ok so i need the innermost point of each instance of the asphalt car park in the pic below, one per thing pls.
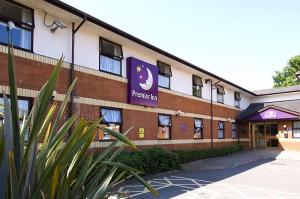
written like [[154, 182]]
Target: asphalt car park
[[250, 174]]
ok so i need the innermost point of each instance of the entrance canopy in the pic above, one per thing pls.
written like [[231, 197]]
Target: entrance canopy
[[262, 112], [272, 114]]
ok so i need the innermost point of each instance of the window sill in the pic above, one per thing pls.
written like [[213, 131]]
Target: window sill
[[19, 48], [165, 87], [197, 96], [104, 71], [110, 140]]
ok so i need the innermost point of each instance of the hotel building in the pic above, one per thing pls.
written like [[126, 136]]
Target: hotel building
[[170, 102]]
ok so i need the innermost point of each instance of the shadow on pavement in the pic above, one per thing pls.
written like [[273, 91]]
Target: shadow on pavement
[[199, 174]]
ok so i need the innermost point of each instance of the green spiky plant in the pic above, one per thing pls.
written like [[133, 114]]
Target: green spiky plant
[[47, 165]]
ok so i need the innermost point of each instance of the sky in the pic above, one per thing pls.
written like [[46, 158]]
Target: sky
[[244, 42]]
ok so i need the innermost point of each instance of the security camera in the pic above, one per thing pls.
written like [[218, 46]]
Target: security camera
[[59, 24]]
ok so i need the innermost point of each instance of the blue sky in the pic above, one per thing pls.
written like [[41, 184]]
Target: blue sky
[[241, 41]]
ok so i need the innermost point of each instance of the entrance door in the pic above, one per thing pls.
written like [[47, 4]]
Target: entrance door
[[261, 136], [264, 135], [258, 136], [271, 132]]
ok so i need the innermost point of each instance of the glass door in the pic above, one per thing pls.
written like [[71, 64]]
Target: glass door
[[261, 141], [271, 132]]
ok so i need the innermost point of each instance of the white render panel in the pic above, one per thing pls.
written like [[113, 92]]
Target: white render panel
[[277, 97], [229, 97], [87, 54], [245, 102], [181, 81], [86, 48], [49, 44]]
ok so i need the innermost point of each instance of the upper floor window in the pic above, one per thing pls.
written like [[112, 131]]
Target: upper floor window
[[22, 17], [111, 119], [237, 99], [221, 130], [164, 74], [111, 56], [296, 129], [198, 126], [220, 94], [234, 131], [164, 126], [197, 86]]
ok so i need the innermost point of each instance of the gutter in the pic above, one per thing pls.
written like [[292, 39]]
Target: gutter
[[117, 31]]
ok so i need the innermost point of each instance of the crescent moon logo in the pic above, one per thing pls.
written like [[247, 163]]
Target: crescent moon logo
[[149, 82]]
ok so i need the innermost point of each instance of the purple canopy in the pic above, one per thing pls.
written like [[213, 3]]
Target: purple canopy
[[273, 114]]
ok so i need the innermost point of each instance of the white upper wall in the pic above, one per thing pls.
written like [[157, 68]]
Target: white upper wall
[[277, 97], [87, 51]]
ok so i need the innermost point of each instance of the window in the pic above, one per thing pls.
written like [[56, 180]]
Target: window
[[24, 105], [221, 130], [296, 129], [237, 99], [111, 56], [198, 126], [197, 86], [234, 131], [164, 126], [111, 119], [220, 94], [164, 74], [22, 17]]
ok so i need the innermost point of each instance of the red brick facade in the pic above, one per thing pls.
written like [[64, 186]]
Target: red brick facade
[[32, 75]]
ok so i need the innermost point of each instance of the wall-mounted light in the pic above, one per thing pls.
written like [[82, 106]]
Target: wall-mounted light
[[207, 81], [53, 95], [284, 126], [55, 24], [178, 113]]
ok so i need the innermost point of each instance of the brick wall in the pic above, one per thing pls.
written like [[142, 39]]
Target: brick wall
[[32, 75]]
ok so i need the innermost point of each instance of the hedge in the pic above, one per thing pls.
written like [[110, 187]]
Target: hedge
[[155, 159], [151, 160], [193, 155]]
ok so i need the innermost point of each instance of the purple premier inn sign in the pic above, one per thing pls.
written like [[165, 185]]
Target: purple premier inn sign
[[271, 114], [142, 82]]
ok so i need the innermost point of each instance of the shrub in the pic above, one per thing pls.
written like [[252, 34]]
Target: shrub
[[151, 160], [192, 155]]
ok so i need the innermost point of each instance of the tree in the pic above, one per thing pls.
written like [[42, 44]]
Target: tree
[[286, 77]]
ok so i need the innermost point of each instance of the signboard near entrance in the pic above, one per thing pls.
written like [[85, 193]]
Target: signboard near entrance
[[271, 114], [142, 82]]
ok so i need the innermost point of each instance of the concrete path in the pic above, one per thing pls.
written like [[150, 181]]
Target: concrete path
[[241, 158], [249, 174]]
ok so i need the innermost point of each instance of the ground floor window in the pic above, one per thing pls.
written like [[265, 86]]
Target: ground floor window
[[198, 128], [164, 126], [296, 129], [221, 130], [111, 119], [24, 106], [234, 131]]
